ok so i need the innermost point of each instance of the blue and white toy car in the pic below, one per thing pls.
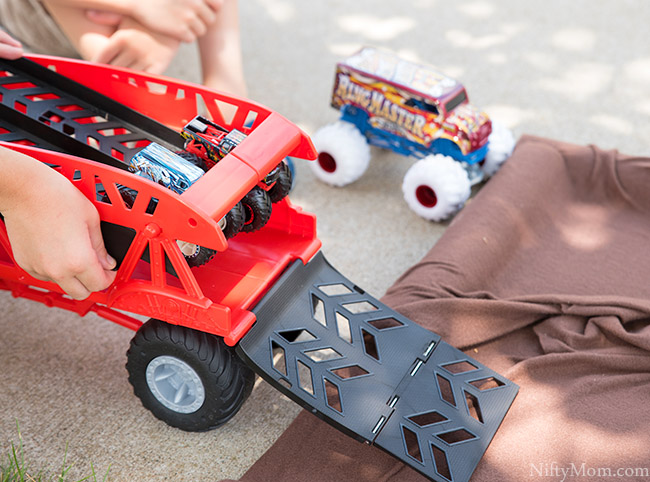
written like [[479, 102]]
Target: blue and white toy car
[[161, 165]]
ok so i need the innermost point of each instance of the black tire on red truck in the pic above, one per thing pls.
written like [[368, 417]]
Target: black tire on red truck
[[188, 379]]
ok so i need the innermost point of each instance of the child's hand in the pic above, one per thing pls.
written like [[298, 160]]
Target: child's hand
[[53, 229], [137, 48], [102, 17], [184, 20], [9, 47]]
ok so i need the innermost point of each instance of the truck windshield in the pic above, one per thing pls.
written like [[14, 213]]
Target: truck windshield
[[422, 105], [456, 101]]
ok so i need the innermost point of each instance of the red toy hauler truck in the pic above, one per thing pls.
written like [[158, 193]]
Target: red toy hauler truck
[[267, 301]]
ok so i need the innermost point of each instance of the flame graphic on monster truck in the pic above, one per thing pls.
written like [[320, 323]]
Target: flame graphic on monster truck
[[384, 106], [421, 106]]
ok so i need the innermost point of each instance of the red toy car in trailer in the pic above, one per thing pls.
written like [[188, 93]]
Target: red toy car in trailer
[[267, 301]]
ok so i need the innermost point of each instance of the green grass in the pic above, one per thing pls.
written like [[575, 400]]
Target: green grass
[[14, 467]]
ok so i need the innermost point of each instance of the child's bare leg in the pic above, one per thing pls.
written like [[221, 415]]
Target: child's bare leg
[[86, 36], [221, 55]]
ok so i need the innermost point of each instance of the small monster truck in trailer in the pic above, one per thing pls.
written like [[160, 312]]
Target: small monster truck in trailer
[[264, 301]]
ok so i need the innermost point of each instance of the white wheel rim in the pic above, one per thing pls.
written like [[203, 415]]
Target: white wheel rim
[[343, 156], [436, 187], [188, 249], [175, 384]]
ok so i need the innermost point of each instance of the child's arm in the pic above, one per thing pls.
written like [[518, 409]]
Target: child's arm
[[221, 54], [184, 20], [123, 44], [53, 229]]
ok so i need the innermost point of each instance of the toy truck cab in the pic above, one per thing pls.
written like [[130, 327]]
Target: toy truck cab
[[210, 141], [411, 109], [414, 110]]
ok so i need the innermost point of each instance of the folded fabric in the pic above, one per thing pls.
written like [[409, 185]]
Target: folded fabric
[[543, 277]]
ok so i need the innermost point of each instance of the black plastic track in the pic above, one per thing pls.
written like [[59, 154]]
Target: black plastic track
[[48, 110], [374, 374]]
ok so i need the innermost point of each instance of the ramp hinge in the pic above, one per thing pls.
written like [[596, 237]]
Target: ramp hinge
[[379, 425], [392, 402]]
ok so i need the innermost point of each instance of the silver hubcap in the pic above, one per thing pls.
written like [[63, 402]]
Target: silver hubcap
[[175, 384]]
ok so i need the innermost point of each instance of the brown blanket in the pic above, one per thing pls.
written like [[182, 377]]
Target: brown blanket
[[543, 278]]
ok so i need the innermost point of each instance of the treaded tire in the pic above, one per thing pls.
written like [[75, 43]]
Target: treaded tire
[[234, 221], [343, 154], [500, 146], [200, 256], [128, 195], [257, 209], [194, 159], [283, 184], [226, 380], [436, 187]]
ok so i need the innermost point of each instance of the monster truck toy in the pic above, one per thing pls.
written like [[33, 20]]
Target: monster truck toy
[[210, 142], [416, 111], [264, 301]]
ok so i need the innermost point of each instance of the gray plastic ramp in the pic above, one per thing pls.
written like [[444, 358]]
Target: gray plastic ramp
[[374, 374]]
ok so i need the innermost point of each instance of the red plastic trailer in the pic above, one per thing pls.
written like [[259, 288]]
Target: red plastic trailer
[[267, 302]]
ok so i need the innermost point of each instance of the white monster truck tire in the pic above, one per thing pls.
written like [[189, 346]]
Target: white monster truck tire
[[343, 154], [436, 187], [501, 144]]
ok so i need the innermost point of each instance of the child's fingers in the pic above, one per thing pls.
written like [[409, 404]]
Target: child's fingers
[[9, 52], [95, 278], [106, 261], [79, 285], [95, 275], [214, 4], [108, 53], [207, 14], [186, 36], [74, 288], [10, 48], [156, 67], [102, 17], [198, 27], [118, 53], [8, 39]]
